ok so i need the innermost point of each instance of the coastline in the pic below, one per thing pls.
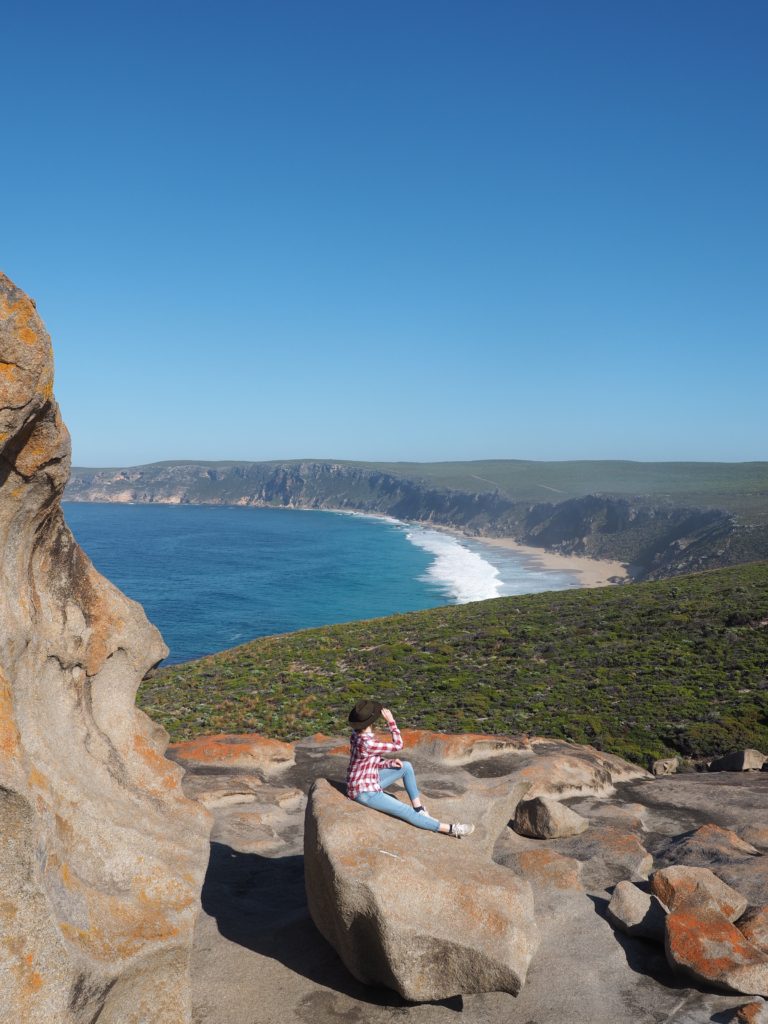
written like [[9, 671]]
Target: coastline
[[593, 572]]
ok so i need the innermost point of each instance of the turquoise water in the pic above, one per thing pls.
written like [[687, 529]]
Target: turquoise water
[[211, 577]]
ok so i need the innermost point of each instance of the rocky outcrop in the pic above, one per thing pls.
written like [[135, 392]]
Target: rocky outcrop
[[101, 854], [257, 946], [412, 910]]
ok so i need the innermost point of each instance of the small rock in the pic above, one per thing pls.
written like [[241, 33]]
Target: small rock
[[749, 760], [665, 766], [754, 926], [703, 944], [636, 912], [542, 818], [756, 836], [677, 886]]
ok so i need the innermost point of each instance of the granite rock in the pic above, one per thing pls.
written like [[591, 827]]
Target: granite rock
[[703, 944], [542, 818], [101, 854], [412, 910], [677, 886], [739, 761], [636, 912]]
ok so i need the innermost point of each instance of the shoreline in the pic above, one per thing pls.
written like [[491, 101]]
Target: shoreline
[[593, 572]]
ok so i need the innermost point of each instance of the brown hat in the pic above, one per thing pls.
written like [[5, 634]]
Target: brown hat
[[364, 713]]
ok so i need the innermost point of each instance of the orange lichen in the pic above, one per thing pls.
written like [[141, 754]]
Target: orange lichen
[[165, 776], [224, 748], [9, 734], [707, 942], [549, 867]]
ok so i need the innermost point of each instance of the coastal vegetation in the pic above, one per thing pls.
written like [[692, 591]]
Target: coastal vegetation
[[643, 670]]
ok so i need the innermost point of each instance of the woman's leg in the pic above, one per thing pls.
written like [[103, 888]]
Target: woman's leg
[[388, 776], [390, 805]]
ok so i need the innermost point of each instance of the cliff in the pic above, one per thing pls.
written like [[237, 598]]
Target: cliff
[[657, 537], [101, 854]]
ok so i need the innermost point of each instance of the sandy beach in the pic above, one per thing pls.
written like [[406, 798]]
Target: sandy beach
[[594, 572]]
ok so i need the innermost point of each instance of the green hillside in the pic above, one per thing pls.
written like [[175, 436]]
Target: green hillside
[[736, 486], [641, 670]]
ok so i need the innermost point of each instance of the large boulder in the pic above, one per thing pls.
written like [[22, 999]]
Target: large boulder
[[412, 910], [101, 854], [748, 760], [703, 944], [677, 886], [542, 818]]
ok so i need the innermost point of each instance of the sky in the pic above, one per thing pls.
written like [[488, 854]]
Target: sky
[[428, 230]]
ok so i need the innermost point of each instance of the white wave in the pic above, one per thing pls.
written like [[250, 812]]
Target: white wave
[[462, 574]]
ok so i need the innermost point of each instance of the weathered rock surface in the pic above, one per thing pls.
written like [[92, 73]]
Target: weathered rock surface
[[748, 760], [703, 944], [409, 909], [753, 925], [732, 859], [636, 912], [542, 818], [101, 854], [256, 946], [678, 886], [249, 751]]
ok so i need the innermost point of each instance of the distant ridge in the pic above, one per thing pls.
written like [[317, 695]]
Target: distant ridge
[[660, 518]]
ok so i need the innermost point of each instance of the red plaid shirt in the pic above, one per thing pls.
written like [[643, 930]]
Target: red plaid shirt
[[365, 760]]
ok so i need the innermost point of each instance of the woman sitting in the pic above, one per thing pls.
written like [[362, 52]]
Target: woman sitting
[[369, 774]]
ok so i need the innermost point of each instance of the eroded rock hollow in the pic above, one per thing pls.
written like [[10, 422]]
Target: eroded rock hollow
[[101, 855]]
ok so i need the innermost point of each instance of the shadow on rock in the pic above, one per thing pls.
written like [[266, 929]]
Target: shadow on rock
[[643, 956], [260, 903]]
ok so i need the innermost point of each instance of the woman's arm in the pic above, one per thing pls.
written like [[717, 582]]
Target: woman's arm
[[373, 746]]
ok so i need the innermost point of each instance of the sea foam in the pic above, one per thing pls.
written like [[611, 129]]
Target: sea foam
[[461, 574]]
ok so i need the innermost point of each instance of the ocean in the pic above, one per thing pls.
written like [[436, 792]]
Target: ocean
[[212, 577]]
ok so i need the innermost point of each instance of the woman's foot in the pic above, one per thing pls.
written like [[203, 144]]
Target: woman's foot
[[459, 831]]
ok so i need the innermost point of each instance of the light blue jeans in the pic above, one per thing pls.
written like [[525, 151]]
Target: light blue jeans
[[390, 805]]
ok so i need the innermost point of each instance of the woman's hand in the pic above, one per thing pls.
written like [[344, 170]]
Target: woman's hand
[[387, 715], [397, 763]]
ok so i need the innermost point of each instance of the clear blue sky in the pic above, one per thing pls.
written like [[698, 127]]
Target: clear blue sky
[[394, 230]]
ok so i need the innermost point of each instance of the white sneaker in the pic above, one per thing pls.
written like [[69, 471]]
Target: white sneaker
[[459, 831], [422, 810]]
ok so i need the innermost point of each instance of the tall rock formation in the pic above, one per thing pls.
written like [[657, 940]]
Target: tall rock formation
[[101, 855]]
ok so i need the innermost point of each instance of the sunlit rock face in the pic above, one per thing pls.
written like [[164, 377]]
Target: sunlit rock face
[[101, 855]]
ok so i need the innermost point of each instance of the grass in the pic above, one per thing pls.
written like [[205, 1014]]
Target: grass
[[643, 671]]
